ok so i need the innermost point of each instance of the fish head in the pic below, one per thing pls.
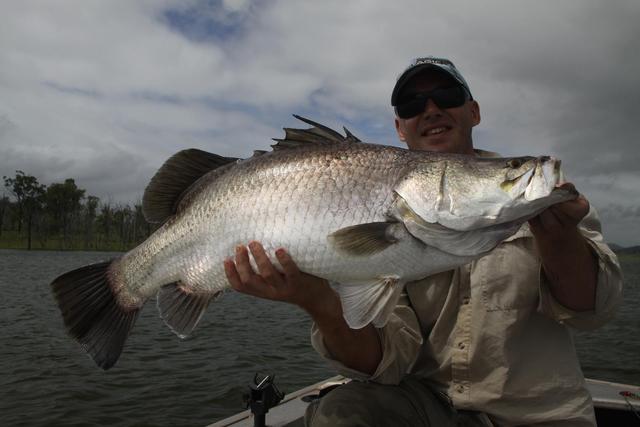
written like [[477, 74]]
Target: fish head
[[462, 192]]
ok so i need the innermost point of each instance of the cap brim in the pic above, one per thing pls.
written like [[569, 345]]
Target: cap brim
[[412, 72]]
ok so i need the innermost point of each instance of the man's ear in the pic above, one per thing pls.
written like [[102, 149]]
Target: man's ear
[[475, 112], [399, 130]]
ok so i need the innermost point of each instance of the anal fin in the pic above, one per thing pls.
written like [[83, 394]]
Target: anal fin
[[181, 307]]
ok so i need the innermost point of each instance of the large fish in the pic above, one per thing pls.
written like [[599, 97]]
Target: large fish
[[368, 218]]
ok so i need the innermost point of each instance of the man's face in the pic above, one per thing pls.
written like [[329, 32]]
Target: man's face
[[435, 129]]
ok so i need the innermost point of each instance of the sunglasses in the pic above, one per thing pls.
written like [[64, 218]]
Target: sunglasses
[[449, 97]]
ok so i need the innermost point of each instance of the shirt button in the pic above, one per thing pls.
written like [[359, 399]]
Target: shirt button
[[461, 345], [460, 389]]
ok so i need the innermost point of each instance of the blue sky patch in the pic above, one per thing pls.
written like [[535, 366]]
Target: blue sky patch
[[207, 21]]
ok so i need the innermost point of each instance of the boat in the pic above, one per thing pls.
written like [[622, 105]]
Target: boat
[[616, 404]]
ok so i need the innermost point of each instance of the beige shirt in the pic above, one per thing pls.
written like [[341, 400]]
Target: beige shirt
[[491, 336]]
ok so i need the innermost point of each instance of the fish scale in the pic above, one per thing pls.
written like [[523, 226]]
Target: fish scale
[[234, 199]]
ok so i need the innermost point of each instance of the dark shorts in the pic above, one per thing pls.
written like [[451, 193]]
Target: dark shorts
[[412, 403]]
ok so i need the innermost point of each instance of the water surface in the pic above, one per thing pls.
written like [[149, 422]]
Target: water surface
[[45, 379]]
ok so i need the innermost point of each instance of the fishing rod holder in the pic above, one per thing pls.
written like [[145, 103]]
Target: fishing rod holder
[[263, 395]]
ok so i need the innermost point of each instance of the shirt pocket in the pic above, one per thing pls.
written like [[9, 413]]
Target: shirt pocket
[[509, 276]]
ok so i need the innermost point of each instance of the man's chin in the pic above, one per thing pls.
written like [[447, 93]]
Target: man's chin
[[441, 144]]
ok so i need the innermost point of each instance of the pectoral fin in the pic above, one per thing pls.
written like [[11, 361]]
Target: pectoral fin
[[366, 303], [365, 239]]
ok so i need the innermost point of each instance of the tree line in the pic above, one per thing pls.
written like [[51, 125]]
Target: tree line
[[62, 216]]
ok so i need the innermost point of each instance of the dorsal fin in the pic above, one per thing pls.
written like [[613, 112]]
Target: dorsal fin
[[350, 136], [318, 134], [164, 192]]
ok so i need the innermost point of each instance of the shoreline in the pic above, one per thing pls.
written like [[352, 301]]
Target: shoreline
[[74, 249]]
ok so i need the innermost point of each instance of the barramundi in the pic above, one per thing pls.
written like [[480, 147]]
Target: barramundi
[[368, 218]]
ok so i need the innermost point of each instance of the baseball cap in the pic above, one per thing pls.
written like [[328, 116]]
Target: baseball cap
[[428, 62]]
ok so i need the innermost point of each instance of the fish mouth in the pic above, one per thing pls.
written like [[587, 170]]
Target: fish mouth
[[537, 181]]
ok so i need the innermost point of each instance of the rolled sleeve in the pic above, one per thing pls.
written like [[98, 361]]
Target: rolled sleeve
[[608, 286], [400, 340]]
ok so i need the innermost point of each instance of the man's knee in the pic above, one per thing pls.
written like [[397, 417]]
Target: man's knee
[[367, 404], [370, 404], [352, 404]]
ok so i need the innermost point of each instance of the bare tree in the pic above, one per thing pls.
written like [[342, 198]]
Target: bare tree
[[90, 208], [4, 207], [62, 204], [29, 196]]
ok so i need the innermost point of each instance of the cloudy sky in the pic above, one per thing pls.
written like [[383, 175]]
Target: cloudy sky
[[105, 91]]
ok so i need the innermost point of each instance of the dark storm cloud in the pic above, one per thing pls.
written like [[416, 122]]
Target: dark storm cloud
[[621, 212], [588, 76], [591, 109]]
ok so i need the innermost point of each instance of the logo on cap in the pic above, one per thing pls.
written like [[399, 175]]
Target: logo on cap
[[432, 60]]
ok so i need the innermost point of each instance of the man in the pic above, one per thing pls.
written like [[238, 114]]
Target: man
[[487, 343]]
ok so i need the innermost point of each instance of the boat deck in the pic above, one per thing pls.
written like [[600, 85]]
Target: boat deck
[[616, 405]]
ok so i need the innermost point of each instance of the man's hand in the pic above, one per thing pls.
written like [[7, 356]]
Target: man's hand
[[567, 259], [560, 221], [292, 285], [358, 349]]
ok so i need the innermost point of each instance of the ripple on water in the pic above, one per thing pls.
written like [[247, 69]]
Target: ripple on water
[[161, 380]]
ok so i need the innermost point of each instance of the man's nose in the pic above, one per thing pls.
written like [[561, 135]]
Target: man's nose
[[431, 108]]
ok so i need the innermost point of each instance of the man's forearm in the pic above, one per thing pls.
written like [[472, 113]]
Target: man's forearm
[[567, 259], [358, 349], [572, 270]]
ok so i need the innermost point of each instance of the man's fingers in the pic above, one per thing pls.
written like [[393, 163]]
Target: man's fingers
[[243, 266], [265, 267], [563, 213], [288, 266], [549, 220], [573, 210], [569, 187], [232, 274]]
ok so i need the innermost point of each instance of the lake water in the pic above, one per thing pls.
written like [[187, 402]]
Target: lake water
[[46, 379]]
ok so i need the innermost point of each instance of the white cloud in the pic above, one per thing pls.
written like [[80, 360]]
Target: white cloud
[[105, 91]]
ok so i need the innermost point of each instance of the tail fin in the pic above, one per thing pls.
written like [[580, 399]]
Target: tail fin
[[92, 314]]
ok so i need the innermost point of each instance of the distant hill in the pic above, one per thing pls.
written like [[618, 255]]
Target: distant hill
[[622, 250]]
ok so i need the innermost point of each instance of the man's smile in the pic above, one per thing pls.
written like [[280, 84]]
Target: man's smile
[[435, 130]]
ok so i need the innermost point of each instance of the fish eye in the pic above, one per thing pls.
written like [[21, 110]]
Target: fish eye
[[514, 163]]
